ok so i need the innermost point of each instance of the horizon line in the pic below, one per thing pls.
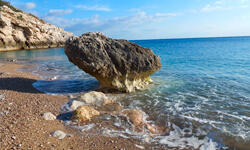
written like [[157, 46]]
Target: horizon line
[[194, 37]]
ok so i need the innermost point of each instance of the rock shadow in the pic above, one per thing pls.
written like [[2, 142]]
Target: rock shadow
[[18, 84]]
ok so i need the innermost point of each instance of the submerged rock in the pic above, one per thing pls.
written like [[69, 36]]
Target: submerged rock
[[135, 117], [85, 113], [117, 64]]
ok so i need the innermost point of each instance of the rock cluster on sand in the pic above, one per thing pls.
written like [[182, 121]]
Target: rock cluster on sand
[[84, 111], [19, 30], [117, 64]]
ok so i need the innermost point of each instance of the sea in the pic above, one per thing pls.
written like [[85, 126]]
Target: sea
[[202, 91]]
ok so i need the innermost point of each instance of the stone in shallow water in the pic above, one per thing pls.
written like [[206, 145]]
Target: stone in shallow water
[[117, 64], [94, 98], [85, 113], [91, 98]]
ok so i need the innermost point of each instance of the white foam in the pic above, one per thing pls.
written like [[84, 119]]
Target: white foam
[[176, 139], [66, 107], [85, 128]]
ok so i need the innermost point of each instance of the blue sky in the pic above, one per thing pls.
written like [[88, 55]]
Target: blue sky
[[145, 19]]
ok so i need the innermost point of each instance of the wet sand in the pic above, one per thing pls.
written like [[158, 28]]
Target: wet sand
[[21, 124]]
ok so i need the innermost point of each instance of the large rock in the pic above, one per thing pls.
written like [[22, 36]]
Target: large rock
[[19, 30], [117, 64]]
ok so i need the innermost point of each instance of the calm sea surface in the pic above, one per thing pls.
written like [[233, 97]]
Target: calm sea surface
[[202, 91]]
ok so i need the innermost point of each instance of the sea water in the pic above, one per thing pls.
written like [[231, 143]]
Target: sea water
[[202, 91]]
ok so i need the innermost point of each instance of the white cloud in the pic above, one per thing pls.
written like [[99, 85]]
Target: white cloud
[[166, 15], [57, 12], [209, 8], [95, 7], [134, 9], [220, 2], [29, 6], [79, 26]]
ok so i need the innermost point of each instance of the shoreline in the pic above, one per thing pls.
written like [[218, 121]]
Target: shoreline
[[23, 127], [33, 48]]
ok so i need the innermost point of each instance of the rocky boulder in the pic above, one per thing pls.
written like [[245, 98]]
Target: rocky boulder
[[117, 64], [20, 30]]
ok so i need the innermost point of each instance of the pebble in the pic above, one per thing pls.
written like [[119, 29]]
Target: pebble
[[139, 146], [58, 133], [13, 137], [1, 97], [11, 60], [48, 116]]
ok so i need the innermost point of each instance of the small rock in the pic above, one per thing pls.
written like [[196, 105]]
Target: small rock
[[139, 146], [58, 133], [75, 104], [12, 60], [84, 113], [19, 145], [48, 116], [13, 137], [52, 79], [1, 97], [95, 98]]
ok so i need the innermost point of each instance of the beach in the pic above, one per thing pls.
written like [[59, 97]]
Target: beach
[[22, 126], [201, 94]]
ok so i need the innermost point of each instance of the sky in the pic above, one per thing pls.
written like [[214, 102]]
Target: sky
[[145, 19]]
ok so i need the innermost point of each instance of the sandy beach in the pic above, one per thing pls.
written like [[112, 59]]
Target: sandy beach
[[22, 127]]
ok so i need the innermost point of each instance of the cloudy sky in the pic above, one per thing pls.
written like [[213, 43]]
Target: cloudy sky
[[145, 19]]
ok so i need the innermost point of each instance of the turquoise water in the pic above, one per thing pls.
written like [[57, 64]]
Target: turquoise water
[[202, 90]]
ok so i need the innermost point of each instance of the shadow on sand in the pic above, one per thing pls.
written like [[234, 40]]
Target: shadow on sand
[[18, 84]]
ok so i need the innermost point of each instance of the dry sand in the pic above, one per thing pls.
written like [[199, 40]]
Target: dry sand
[[21, 124]]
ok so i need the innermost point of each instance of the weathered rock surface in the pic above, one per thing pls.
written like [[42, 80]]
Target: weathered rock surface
[[117, 64], [19, 30], [48, 116], [85, 113]]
